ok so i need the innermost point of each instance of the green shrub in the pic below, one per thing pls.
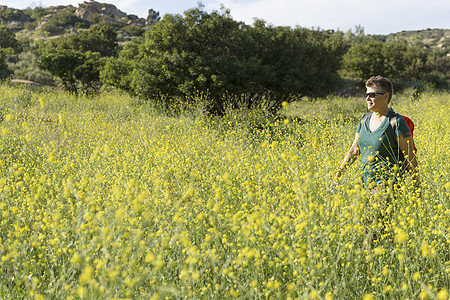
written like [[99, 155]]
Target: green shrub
[[30, 26], [435, 82], [51, 29], [4, 71], [27, 67], [133, 30]]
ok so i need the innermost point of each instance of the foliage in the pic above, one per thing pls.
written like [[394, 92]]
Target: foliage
[[79, 71], [439, 64], [11, 14], [181, 55], [27, 67], [133, 30], [4, 70], [77, 59], [31, 26], [98, 38], [428, 37], [51, 28], [8, 38], [394, 59], [153, 16], [66, 17], [37, 12], [106, 198], [234, 64], [435, 82]]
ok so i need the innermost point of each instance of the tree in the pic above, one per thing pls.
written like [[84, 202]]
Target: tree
[[210, 53], [27, 67], [394, 59], [180, 55], [415, 60], [98, 38], [133, 30], [67, 17], [364, 60], [8, 38], [8, 47], [153, 17], [77, 70], [77, 59], [4, 71]]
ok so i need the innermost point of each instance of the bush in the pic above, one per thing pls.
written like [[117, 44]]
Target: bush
[[78, 71], [259, 66], [30, 26], [8, 38], [4, 71], [133, 30], [66, 17], [51, 29], [435, 82], [27, 67]]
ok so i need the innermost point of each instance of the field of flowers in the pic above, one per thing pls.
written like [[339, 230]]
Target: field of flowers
[[108, 198]]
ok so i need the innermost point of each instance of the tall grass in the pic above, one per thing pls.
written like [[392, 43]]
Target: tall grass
[[109, 198]]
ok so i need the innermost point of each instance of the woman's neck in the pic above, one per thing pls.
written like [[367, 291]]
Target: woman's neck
[[382, 112]]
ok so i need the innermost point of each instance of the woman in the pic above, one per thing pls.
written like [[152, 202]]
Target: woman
[[386, 148]]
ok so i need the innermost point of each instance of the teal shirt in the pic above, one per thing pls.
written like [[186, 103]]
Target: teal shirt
[[380, 154]]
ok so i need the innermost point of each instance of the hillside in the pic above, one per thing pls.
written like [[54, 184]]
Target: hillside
[[430, 38], [80, 48], [53, 21], [49, 22]]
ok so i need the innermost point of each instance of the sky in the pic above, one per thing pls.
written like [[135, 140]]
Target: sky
[[376, 17]]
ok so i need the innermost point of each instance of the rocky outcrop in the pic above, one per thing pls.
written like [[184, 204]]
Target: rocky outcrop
[[8, 14], [86, 11], [109, 12], [91, 8], [153, 17], [13, 18]]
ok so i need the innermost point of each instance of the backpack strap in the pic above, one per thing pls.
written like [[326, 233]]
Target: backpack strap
[[393, 121], [365, 117], [394, 126]]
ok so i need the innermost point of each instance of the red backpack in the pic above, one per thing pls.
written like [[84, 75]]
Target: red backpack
[[410, 125]]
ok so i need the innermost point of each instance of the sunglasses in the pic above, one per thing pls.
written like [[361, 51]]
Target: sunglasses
[[372, 95]]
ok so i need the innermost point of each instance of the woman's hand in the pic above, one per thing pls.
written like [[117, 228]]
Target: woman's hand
[[349, 158]]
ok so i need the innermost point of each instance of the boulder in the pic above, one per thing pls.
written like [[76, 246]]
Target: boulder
[[74, 31], [90, 8], [111, 10], [15, 25], [110, 13], [139, 22]]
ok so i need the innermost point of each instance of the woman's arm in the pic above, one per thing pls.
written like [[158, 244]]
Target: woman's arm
[[406, 145], [349, 158]]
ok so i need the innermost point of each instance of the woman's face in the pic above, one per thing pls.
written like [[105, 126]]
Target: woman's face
[[379, 101]]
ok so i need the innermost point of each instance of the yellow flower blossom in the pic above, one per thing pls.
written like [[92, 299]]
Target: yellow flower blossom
[[108, 196]]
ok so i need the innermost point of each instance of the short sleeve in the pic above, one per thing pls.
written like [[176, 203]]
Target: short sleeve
[[402, 126]]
